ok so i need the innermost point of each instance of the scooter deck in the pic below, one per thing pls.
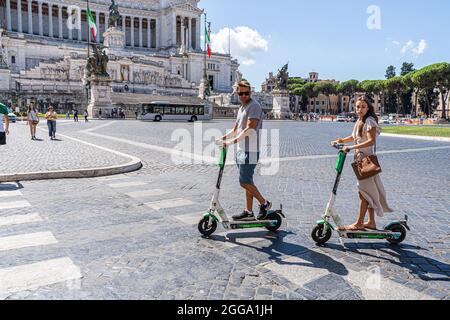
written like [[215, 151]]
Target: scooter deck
[[369, 234], [251, 224]]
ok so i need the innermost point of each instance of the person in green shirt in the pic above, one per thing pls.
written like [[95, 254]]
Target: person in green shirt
[[4, 129]]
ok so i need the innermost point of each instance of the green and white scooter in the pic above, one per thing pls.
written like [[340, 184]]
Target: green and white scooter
[[394, 232], [216, 214]]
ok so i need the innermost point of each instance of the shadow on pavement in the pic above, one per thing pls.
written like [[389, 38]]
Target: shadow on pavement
[[280, 251], [404, 256], [10, 186]]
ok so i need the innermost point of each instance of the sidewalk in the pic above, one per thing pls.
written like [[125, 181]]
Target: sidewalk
[[23, 159]]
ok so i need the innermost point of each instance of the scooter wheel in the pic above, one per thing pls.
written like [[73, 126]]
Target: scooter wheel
[[318, 235], [275, 217], [400, 229], [206, 228]]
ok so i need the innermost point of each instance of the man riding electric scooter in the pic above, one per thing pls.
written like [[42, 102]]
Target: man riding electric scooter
[[246, 134]]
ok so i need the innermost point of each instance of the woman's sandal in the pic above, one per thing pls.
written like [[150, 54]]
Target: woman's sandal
[[352, 228], [366, 226]]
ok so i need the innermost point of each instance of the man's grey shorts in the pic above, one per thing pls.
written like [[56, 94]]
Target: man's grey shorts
[[247, 163]]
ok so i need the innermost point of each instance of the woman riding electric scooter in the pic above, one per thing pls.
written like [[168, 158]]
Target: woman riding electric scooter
[[371, 191]]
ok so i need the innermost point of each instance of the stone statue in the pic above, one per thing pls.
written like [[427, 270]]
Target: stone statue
[[114, 14], [97, 64], [3, 52], [282, 78], [238, 76]]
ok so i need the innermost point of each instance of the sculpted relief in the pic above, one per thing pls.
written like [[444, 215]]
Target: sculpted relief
[[156, 78]]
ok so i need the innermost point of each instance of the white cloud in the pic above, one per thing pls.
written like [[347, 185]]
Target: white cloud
[[410, 46], [245, 43]]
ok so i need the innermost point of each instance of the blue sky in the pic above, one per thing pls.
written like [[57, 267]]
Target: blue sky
[[330, 37]]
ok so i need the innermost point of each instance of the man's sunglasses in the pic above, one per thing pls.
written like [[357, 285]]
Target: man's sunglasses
[[241, 94]]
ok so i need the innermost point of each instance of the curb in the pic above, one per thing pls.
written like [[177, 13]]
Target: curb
[[436, 139], [71, 174], [134, 165]]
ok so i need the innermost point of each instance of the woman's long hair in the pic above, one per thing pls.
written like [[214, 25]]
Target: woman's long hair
[[370, 113]]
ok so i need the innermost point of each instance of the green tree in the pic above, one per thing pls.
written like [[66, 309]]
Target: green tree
[[436, 76], [407, 68], [390, 72], [406, 98], [396, 87]]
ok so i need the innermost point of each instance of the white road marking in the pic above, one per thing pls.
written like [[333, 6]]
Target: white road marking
[[190, 219], [20, 219], [11, 193], [147, 193], [113, 178], [34, 276], [14, 205], [27, 240], [169, 204], [211, 160], [127, 184]]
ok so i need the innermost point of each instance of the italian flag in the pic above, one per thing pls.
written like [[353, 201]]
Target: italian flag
[[92, 25], [208, 41]]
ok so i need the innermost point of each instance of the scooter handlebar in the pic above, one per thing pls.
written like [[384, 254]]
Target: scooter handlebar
[[339, 146]]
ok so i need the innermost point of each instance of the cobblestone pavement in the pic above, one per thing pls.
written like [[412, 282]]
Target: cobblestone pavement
[[21, 154], [134, 236]]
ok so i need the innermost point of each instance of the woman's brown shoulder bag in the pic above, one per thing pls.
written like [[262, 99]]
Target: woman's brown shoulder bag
[[366, 167]]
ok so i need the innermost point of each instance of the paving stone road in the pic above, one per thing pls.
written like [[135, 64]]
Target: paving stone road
[[21, 154], [134, 236]]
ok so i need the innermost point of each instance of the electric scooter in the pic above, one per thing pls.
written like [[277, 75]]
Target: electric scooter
[[394, 232], [216, 214]]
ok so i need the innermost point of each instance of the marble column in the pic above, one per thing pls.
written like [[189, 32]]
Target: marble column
[[190, 34], [70, 33], [50, 20], [149, 33], [174, 31], [60, 21], [140, 32], [80, 34], [132, 31], [19, 16], [124, 27], [30, 17], [157, 32], [97, 22], [183, 33], [41, 25], [199, 32], [8, 15]]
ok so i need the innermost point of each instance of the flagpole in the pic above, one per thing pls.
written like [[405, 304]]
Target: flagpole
[[204, 67], [89, 31]]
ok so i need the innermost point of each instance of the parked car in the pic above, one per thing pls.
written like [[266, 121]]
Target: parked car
[[385, 120], [341, 119]]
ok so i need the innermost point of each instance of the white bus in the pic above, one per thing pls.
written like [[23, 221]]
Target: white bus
[[160, 111]]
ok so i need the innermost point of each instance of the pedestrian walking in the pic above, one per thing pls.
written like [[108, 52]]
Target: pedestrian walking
[[75, 115], [100, 114], [51, 117], [32, 120], [86, 115], [4, 129]]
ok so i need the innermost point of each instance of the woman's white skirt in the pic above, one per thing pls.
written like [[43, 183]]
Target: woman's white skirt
[[373, 191]]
